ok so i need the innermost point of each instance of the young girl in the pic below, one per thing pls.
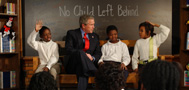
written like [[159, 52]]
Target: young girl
[[47, 49], [115, 50], [146, 47]]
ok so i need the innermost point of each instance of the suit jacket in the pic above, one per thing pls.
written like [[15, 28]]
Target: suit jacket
[[74, 42]]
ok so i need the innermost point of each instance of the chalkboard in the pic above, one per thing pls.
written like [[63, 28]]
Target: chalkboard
[[63, 15]]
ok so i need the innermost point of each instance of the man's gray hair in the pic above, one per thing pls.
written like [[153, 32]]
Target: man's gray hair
[[84, 18]]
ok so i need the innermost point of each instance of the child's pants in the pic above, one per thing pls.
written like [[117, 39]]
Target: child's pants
[[55, 69], [126, 72], [140, 66]]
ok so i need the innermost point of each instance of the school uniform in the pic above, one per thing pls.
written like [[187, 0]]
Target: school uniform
[[115, 52], [48, 54], [141, 48]]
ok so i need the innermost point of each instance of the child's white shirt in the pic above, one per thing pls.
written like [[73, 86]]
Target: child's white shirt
[[117, 52], [48, 51], [141, 49]]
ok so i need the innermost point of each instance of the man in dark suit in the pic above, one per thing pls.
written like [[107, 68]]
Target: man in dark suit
[[83, 51]]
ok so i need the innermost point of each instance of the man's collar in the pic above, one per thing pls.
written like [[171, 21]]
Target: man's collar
[[82, 32]]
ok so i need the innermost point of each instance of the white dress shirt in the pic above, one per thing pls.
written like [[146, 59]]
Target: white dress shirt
[[117, 52], [141, 49], [48, 51]]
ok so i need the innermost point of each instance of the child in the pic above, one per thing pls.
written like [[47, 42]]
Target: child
[[160, 75], [42, 81], [146, 47], [47, 49], [142, 46], [115, 50]]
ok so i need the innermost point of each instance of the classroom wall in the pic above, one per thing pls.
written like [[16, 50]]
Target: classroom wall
[[63, 15]]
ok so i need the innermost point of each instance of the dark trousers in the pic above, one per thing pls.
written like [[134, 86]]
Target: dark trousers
[[79, 64], [140, 66], [126, 72], [82, 82]]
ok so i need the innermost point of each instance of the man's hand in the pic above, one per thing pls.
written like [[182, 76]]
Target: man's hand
[[89, 56], [38, 25], [123, 66], [45, 69]]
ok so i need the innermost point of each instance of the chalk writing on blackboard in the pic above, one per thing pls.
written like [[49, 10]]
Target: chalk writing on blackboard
[[124, 11], [64, 11], [79, 10]]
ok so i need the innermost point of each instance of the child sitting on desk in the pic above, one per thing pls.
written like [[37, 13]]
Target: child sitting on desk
[[47, 49], [115, 50]]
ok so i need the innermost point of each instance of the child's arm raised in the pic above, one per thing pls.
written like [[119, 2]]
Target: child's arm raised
[[153, 24], [161, 37], [38, 25], [31, 39]]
